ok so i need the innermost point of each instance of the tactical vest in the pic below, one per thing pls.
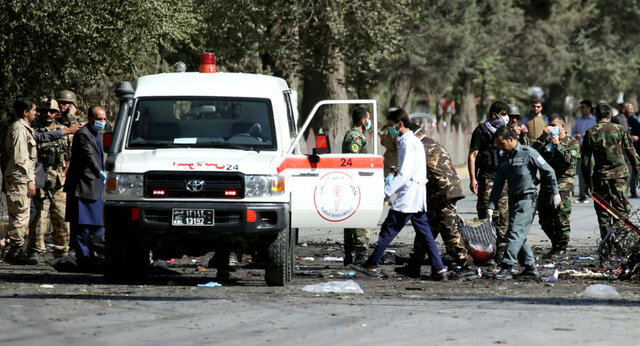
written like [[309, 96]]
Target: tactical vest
[[487, 160], [53, 154]]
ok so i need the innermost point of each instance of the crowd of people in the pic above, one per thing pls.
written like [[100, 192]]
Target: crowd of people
[[53, 180], [508, 158]]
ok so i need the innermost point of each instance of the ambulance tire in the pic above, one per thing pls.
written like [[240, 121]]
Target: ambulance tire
[[275, 271], [126, 260], [291, 254]]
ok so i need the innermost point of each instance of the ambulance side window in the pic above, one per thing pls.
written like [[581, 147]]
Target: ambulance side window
[[293, 128]]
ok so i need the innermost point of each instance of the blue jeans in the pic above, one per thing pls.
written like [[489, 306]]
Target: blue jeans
[[393, 224]]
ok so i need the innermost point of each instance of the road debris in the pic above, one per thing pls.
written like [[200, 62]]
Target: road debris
[[600, 291], [210, 284], [339, 287]]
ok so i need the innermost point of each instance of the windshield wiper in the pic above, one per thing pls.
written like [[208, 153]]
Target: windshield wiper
[[156, 144], [218, 144]]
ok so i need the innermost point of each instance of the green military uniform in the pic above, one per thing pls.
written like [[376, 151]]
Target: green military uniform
[[444, 189], [519, 168], [54, 157], [608, 144], [355, 239], [20, 147], [563, 159]]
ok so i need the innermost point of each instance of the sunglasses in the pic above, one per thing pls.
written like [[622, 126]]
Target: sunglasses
[[47, 111]]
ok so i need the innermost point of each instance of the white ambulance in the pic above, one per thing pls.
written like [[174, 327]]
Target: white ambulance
[[206, 161]]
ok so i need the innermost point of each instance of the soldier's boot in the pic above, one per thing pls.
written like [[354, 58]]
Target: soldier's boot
[[530, 271], [14, 255], [551, 253], [504, 273], [361, 258], [411, 269], [466, 271], [32, 258]]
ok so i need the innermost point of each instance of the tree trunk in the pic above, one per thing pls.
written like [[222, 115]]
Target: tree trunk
[[467, 116], [555, 99], [401, 89]]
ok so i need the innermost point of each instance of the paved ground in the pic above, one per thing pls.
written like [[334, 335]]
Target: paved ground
[[41, 306]]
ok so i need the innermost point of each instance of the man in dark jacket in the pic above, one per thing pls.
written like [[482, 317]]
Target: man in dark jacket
[[84, 186]]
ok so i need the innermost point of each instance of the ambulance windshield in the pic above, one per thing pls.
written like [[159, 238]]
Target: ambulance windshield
[[236, 123]]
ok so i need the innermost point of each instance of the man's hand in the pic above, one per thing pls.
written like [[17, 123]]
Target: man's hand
[[555, 140], [388, 179], [473, 186], [555, 200], [577, 136], [31, 189], [524, 129], [72, 109], [103, 175], [547, 131], [490, 215], [635, 138], [71, 129]]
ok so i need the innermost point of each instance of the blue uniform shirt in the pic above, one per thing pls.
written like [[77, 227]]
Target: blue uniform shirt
[[519, 169]]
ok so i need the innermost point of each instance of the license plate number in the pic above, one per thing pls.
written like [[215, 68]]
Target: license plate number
[[192, 217]]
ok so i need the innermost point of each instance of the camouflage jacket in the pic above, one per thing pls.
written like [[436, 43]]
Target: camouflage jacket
[[563, 159], [608, 144], [55, 155], [354, 142], [444, 185]]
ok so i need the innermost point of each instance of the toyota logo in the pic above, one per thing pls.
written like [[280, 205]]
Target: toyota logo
[[194, 185]]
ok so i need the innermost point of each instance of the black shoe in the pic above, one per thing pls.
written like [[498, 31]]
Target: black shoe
[[465, 272], [530, 271], [439, 276], [504, 273], [410, 271], [14, 255], [33, 258], [361, 258], [551, 253]]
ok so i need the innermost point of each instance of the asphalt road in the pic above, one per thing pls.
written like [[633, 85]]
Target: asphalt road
[[40, 306]]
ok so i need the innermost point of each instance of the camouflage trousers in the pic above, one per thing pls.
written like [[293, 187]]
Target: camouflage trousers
[[46, 211], [356, 239], [555, 222], [18, 208], [500, 214], [442, 219], [614, 192]]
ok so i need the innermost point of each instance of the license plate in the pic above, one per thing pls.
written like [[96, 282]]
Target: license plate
[[192, 217]]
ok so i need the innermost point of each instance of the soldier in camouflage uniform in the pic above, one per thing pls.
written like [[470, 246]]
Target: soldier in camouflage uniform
[[356, 239], [54, 156], [68, 114], [563, 158], [19, 156], [608, 144], [444, 190]]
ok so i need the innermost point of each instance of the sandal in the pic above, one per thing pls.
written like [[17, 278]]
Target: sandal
[[367, 271]]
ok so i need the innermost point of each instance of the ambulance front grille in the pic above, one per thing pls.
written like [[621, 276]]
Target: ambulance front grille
[[160, 184]]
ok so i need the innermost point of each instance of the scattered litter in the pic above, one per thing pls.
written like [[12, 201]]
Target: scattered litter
[[479, 275], [194, 261], [550, 265], [348, 286], [388, 257], [388, 250], [600, 291], [333, 259], [587, 258], [350, 273], [305, 245], [46, 286], [210, 284], [171, 261], [308, 259], [62, 319], [202, 269], [586, 273], [553, 278]]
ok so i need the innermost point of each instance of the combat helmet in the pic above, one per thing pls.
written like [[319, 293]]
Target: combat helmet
[[48, 103], [68, 96], [514, 111]]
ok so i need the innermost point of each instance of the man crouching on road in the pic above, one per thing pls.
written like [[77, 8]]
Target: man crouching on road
[[518, 166], [411, 203]]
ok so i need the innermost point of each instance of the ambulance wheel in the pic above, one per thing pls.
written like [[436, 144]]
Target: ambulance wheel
[[275, 271], [126, 260]]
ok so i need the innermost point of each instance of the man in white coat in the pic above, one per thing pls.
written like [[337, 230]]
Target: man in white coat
[[411, 203]]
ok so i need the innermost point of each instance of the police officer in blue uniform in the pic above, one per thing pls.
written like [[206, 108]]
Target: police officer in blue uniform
[[518, 166]]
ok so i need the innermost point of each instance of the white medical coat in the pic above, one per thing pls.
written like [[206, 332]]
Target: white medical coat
[[410, 182]]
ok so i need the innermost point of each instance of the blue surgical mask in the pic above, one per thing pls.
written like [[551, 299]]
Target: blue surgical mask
[[99, 126], [394, 132], [368, 127]]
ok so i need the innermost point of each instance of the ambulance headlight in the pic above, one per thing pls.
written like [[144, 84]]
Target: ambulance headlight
[[125, 184], [263, 185]]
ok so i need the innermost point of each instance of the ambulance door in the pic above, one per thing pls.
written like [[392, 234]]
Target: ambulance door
[[334, 190]]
